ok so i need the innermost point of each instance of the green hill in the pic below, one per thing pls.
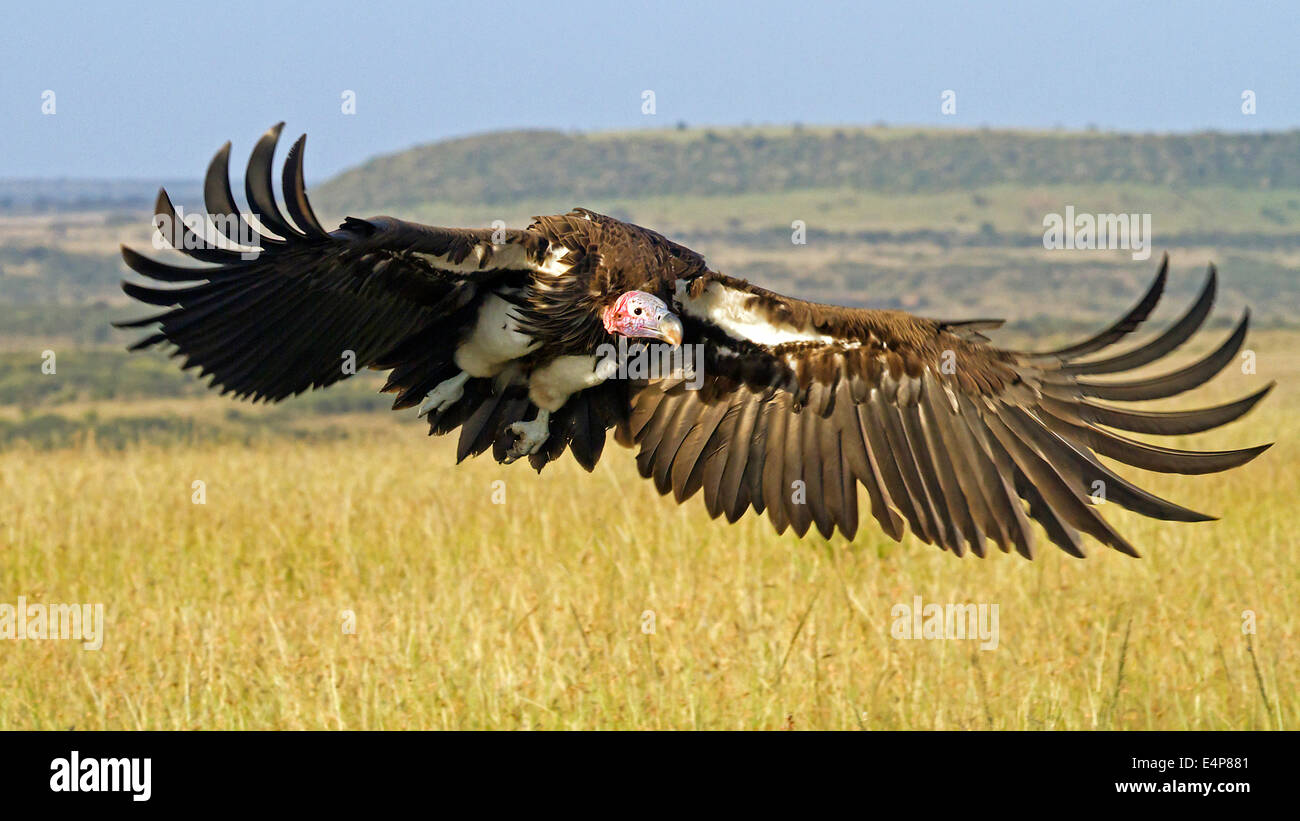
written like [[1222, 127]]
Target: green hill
[[502, 168], [940, 222]]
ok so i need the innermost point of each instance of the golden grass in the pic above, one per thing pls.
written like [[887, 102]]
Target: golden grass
[[529, 614]]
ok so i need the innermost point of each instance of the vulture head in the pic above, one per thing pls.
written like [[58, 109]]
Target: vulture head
[[638, 314]]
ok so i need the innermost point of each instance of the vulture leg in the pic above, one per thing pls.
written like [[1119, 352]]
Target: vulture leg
[[530, 435], [448, 393]]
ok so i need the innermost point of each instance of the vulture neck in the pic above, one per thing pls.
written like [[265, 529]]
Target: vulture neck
[[566, 313]]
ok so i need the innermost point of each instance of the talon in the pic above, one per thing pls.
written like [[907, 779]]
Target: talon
[[529, 436], [448, 393]]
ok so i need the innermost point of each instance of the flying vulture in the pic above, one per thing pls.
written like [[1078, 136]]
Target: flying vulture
[[505, 335]]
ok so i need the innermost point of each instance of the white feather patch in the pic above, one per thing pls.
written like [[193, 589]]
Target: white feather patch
[[505, 255], [495, 340], [727, 308], [552, 266]]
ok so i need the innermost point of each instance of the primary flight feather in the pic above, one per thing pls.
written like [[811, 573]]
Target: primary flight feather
[[507, 335]]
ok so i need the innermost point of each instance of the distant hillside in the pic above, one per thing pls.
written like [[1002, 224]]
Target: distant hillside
[[509, 166], [939, 222], [33, 196]]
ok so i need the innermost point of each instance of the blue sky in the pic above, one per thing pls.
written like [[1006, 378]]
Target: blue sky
[[151, 92]]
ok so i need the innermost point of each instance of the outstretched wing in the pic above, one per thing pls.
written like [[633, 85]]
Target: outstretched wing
[[281, 306], [954, 439]]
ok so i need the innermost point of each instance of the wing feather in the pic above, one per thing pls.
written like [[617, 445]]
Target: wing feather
[[274, 314], [960, 442], [955, 440]]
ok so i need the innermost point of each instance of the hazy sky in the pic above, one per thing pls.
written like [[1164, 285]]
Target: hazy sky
[[151, 92]]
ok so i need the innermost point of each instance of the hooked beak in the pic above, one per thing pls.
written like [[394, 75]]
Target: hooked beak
[[637, 314], [668, 329]]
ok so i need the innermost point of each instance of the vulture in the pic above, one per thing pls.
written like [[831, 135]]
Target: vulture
[[534, 341]]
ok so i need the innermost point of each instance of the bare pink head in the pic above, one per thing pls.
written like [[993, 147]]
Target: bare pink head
[[638, 314]]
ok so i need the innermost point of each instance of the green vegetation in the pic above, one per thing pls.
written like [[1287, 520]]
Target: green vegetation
[[52, 430], [502, 168], [118, 399], [45, 273]]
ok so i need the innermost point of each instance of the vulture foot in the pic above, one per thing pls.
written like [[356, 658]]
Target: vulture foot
[[448, 393], [529, 436]]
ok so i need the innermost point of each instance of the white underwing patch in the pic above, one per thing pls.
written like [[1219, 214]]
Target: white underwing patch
[[729, 310]]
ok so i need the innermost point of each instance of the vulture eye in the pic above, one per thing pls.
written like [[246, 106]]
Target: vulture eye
[[637, 311]]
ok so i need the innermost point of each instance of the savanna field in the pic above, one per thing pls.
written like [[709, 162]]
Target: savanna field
[[342, 572], [356, 579]]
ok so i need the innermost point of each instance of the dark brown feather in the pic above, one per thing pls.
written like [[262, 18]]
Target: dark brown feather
[[955, 439]]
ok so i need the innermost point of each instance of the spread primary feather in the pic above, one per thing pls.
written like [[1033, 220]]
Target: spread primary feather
[[495, 334]]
